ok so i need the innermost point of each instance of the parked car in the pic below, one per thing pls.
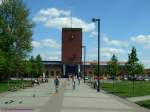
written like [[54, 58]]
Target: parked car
[[124, 78], [100, 77], [147, 78], [86, 77], [111, 77], [140, 78]]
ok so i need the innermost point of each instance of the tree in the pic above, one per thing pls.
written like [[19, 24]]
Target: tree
[[132, 57], [2, 63], [133, 67], [139, 69], [103, 71], [39, 66], [32, 65], [16, 36], [113, 67], [27, 69]]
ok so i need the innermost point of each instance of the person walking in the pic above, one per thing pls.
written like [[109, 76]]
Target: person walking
[[78, 80], [73, 83], [56, 83]]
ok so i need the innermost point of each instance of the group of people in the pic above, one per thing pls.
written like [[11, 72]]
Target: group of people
[[74, 79]]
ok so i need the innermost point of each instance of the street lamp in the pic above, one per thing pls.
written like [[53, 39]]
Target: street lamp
[[84, 61], [98, 78]]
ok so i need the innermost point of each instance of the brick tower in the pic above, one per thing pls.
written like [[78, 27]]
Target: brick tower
[[71, 51]]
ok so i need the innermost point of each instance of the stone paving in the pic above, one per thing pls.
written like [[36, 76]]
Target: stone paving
[[82, 99], [27, 100], [85, 99]]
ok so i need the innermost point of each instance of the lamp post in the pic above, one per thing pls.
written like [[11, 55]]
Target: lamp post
[[98, 77], [84, 61]]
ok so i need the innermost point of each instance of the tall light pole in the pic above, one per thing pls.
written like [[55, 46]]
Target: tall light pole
[[98, 77], [84, 61]]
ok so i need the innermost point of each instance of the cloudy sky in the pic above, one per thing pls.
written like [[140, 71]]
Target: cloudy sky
[[124, 23]]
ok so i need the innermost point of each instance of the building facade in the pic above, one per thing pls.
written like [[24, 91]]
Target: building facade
[[71, 57], [55, 68]]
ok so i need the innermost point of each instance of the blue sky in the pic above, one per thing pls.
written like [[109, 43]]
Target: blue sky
[[124, 23]]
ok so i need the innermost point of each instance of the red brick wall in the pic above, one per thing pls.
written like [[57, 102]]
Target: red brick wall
[[71, 45]]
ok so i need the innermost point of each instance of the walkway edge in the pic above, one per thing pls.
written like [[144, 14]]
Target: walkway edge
[[127, 102]]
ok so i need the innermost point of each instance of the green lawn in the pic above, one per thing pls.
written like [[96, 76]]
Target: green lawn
[[4, 84], [144, 103], [125, 88]]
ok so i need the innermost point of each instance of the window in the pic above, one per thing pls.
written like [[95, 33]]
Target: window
[[57, 72], [90, 72], [52, 73]]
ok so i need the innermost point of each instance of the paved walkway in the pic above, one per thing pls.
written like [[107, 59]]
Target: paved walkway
[[82, 99], [85, 99], [141, 98], [29, 99]]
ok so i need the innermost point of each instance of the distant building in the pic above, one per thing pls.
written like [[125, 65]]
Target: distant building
[[71, 57], [53, 68]]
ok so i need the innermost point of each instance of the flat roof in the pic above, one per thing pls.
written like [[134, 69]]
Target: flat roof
[[87, 63], [51, 62], [71, 28]]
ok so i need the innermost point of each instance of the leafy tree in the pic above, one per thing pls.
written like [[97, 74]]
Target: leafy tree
[[36, 66], [140, 69], [27, 69], [39, 65], [32, 65], [113, 67], [133, 67], [2, 63], [16, 35], [132, 57], [103, 71]]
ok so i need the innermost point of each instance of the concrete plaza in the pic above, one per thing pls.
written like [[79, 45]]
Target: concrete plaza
[[83, 99]]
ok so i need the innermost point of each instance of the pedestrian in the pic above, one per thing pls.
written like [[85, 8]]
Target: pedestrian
[[56, 83], [73, 83], [78, 80]]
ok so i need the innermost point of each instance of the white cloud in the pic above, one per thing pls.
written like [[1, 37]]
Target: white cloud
[[53, 12], [50, 56], [93, 34], [117, 43], [142, 39], [40, 18], [36, 44], [108, 51], [49, 42], [61, 22], [56, 18]]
